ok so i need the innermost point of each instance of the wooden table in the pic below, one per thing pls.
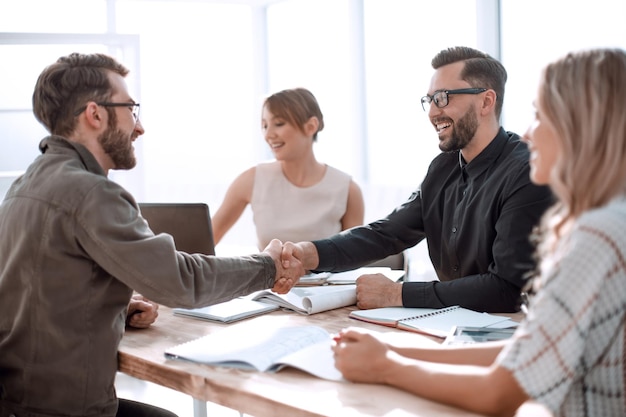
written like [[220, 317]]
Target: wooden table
[[289, 392]]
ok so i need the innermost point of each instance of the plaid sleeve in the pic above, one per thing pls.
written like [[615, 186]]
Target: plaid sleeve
[[569, 352]]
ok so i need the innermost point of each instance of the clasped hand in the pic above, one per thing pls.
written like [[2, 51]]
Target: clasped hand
[[289, 269], [372, 290]]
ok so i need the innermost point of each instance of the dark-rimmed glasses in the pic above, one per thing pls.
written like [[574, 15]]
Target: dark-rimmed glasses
[[133, 107], [440, 98]]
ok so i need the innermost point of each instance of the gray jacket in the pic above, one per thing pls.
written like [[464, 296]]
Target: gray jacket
[[73, 247]]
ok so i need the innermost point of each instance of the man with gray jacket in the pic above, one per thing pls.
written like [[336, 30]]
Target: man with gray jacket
[[74, 247]]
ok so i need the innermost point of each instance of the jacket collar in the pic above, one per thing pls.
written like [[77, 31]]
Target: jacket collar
[[59, 144]]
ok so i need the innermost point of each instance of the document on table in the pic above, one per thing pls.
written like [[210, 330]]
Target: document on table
[[251, 347], [304, 300], [310, 300], [348, 277], [228, 311]]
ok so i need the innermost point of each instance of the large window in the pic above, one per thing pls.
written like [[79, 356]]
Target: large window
[[401, 38], [309, 46], [201, 68], [198, 96]]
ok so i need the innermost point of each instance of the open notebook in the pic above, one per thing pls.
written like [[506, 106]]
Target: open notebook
[[264, 348], [188, 223], [308, 300], [435, 322]]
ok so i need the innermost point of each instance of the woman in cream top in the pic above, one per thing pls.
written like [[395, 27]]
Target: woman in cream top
[[304, 213], [294, 197]]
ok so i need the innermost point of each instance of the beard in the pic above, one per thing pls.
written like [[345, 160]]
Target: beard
[[462, 133], [118, 145]]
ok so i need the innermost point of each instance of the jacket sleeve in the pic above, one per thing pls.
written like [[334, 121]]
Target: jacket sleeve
[[113, 234]]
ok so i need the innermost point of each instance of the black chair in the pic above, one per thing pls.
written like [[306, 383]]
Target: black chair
[[188, 223]]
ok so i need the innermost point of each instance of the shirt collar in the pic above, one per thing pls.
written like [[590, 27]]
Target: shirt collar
[[487, 157]]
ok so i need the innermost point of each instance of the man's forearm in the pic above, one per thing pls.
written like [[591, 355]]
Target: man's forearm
[[484, 292]]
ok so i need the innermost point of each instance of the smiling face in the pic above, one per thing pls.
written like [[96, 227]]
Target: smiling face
[[456, 124], [544, 145], [122, 129], [284, 139]]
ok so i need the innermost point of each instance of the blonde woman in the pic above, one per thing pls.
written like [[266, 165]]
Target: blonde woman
[[569, 352], [295, 197]]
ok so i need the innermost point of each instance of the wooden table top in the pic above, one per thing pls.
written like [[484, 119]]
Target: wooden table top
[[289, 392]]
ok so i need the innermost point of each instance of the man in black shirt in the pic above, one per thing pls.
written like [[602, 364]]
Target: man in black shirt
[[476, 206]]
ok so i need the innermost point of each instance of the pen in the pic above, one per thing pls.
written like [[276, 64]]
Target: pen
[[525, 302]]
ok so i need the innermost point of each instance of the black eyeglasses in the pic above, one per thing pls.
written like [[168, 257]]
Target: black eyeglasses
[[133, 107], [440, 98]]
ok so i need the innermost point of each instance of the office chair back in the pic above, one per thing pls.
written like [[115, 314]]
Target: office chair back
[[396, 261]]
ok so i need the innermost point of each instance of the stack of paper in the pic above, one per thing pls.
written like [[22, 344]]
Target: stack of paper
[[229, 311], [348, 277]]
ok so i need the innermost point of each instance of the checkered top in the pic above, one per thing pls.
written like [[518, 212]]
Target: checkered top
[[569, 352]]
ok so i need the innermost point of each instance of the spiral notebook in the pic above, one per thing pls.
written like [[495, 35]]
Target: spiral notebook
[[431, 321]]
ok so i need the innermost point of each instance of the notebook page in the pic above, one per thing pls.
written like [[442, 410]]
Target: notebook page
[[439, 323]]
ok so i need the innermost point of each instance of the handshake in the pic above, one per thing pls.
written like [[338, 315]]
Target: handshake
[[292, 261]]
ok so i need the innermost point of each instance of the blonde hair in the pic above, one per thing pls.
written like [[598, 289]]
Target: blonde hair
[[583, 96]]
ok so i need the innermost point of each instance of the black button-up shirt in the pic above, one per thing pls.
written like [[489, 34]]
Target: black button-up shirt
[[476, 218]]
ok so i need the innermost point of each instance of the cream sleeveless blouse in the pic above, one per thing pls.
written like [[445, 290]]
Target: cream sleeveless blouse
[[284, 211]]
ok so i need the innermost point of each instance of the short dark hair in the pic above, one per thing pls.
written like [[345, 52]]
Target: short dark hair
[[68, 84], [297, 106], [481, 70]]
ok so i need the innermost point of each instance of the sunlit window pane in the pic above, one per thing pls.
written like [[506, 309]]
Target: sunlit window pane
[[21, 134], [309, 47], [53, 16], [401, 38], [18, 81], [556, 27], [197, 84]]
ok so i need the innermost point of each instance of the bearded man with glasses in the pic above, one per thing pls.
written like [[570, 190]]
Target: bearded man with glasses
[[476, 207], [74, 248]]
